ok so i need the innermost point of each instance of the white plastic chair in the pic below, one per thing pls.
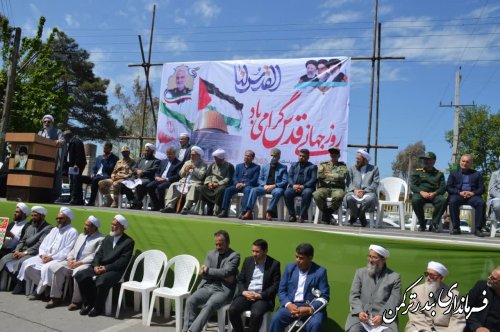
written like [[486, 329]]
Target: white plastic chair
[[184, 268], [318, 214], [154, 261], [297, 201], [280, 206], [391, 187]]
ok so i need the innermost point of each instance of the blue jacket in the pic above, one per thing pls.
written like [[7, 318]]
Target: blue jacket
[[310, 175], [252, 174], [316, 278], [108, 165], [280, 175], [455, 181]]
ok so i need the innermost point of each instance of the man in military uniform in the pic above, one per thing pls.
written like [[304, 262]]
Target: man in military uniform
[[331, 183], [428, 186]]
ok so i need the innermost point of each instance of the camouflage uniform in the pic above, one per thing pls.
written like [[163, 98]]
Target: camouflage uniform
[[331, 183], [428, 181], [122, 171]]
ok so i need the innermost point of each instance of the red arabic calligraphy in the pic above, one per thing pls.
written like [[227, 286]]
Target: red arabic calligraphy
[[291, 129]]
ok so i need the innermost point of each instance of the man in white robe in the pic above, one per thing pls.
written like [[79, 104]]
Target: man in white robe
[[55, 247]]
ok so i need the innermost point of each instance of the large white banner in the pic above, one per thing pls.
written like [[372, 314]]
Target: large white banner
[[290, 104]]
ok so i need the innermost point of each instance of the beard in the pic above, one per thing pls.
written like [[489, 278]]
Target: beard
[[432, 286], [374, 269]]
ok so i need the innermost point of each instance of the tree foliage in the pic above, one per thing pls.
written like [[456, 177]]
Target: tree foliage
[[56, 77], [130, 109], [411, 153], [479, 135]]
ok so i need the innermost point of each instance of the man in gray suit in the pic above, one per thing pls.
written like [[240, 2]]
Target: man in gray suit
[[217, 286], [361, 183], [79, 258], [375, 290]]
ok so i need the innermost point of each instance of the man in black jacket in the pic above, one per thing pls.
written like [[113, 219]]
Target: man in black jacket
[[258, 284], [107, 269], [488, 319], [76, 161]]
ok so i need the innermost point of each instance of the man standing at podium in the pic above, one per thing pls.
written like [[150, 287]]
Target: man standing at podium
[[49, 131]]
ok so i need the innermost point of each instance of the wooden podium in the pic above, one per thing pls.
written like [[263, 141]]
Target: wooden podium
[[32, 179]]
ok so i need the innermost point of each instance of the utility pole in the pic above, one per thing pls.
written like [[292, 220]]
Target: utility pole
[[9, 91], [456, 105]]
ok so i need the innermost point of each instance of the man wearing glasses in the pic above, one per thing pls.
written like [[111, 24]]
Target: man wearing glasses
[[432, 290], [488, 319]]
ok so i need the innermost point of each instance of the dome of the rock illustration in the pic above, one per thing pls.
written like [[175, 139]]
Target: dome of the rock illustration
[[211, 121]]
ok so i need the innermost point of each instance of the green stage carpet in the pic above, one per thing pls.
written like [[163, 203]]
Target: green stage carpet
[[340, 254]]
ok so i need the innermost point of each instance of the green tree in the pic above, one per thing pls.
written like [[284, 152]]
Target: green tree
[[407, 160], [130, 108], [56, 78], [479, 135]]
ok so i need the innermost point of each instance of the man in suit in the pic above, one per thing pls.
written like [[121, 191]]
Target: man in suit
[[217, 285], [493, 203], [374, 290], [184, 153], [54, 248], [107, 268], [29, 244], [144, 170], [79, 258], [258, 284], [436, 319], [296, 292], [302, 178], [465, 187], [15, 230], [485, 292], [361, 183], [219, 175], [75, 159], [167, 173], [244, 179], [272, 180], [104, 165]]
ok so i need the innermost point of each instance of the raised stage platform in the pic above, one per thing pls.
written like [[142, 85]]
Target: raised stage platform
[[340, 249]]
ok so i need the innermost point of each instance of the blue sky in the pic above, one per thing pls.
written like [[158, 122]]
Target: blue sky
[[436, 37]]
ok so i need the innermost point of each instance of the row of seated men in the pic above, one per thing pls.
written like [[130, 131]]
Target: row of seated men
[[46, 255], [188, 180]]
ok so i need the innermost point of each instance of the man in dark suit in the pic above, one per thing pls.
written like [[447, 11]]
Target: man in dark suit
[[108, 267], [302, 178], [465, 187], [145, 170], [167, 173], [295, 292], [217, 285], [258, 284], [272, 180], [104, 165], [244, 179], [76, 160]]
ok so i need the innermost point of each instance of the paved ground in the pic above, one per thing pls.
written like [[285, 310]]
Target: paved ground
[[18, 314]]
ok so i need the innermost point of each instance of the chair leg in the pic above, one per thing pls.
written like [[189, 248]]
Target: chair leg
[[401, 209], [145, 306], [137, 301], [151, 309], [317, 215], [109, 303], [120, 297], [178, 314], [167, 306]]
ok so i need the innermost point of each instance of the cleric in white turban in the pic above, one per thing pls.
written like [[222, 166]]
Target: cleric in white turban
[[364, 154], [379, 250], [94, 221], [438, 267], [67, 212], [39, 209], [122, 220], [150, 146], [24, 208], [219, 153], [198, 150]]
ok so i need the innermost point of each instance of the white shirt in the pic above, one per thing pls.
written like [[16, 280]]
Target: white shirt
[[115, 240], [182, 152], [299, 294], [164, 175], [59, 242]]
